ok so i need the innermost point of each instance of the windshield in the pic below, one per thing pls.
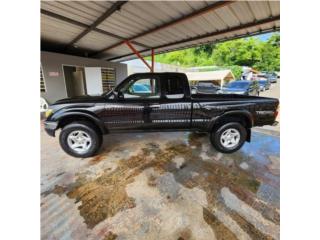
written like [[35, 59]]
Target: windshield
[[238, 84]]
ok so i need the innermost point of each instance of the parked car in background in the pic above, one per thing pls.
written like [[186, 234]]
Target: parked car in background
[[272, 77], [262, 76], [264, 85], [242, 87], [205, 87]]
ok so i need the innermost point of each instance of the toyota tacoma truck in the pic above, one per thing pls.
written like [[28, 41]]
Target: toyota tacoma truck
[[157, 102]]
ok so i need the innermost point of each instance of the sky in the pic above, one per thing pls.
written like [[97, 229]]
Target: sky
[[264, 37]]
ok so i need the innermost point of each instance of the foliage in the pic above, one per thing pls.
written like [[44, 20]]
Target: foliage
[[270, 55], [251, 52], [236, 70]]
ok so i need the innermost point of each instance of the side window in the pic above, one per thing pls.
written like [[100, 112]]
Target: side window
[[175, 88], [142, 88]]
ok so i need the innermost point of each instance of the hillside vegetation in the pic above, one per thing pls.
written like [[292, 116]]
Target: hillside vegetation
[[251, 52]]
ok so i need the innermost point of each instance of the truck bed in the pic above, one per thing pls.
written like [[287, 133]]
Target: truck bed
[[229, 97]]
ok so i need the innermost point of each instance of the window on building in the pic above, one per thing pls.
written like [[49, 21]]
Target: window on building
[[42, 84], [108, 79]]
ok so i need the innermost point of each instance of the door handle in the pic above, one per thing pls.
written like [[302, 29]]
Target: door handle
[[155, 106]]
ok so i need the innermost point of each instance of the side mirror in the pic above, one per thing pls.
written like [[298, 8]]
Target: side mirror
[[120, 95]]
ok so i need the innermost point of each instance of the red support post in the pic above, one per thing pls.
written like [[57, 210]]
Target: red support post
[[138, 55], [152, 60]]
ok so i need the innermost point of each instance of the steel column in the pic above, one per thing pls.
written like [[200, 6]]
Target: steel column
[[152, 60], [138, 55]]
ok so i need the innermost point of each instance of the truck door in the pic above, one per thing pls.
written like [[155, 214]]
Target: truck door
[[173, 110], [131, 110]]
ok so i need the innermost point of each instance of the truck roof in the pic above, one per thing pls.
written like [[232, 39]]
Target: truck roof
[[159, 73]]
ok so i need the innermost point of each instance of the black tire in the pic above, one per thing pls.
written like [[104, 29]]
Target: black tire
[[215, 137], [90, 130]]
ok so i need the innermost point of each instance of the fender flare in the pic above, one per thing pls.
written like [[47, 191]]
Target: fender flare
[[243, 113], [84, 114]]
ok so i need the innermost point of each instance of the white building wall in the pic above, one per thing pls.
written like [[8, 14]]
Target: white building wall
[[52, 67], [137, 66]]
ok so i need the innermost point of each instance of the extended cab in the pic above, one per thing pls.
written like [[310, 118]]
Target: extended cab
[[157, 102]]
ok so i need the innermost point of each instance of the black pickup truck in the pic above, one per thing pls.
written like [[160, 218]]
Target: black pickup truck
[[157, 102]]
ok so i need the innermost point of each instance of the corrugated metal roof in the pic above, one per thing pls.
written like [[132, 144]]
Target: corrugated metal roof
[[162, 25], [59, 31], [95, 41]]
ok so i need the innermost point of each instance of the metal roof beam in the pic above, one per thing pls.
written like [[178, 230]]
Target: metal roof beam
[[80, 24], [237, 28], [62, 18], [138, 55], [196, 13], [115, 7]]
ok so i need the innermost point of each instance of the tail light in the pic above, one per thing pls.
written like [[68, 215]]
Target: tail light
[[276, 112]]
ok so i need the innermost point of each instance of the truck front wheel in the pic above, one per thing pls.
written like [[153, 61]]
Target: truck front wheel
[[80, 139], [229, 137]]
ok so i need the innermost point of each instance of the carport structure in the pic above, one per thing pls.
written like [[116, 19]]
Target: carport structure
[[123, 30], [219, 77], [159, 185]]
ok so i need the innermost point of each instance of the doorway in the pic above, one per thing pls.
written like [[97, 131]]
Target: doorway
[[75, 81]]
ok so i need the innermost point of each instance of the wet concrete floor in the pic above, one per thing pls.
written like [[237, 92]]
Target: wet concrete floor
[[161, 186]]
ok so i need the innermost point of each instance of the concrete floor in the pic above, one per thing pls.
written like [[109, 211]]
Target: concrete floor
[[273, 92], [161, 186]]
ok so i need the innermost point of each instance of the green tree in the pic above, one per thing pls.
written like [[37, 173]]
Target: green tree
[[251, 52], [242, 52], [270, 55]]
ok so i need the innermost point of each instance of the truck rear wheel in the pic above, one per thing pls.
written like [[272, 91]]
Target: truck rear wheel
[[80, 139], [229, 137]]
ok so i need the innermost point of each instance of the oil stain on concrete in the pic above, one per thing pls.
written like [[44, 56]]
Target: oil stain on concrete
[[177, 187]]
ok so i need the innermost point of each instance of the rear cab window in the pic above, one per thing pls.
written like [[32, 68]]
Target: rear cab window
[[174, 87]]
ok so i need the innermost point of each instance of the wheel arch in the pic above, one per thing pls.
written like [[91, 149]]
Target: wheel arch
[[243, 117], [69, 117]]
